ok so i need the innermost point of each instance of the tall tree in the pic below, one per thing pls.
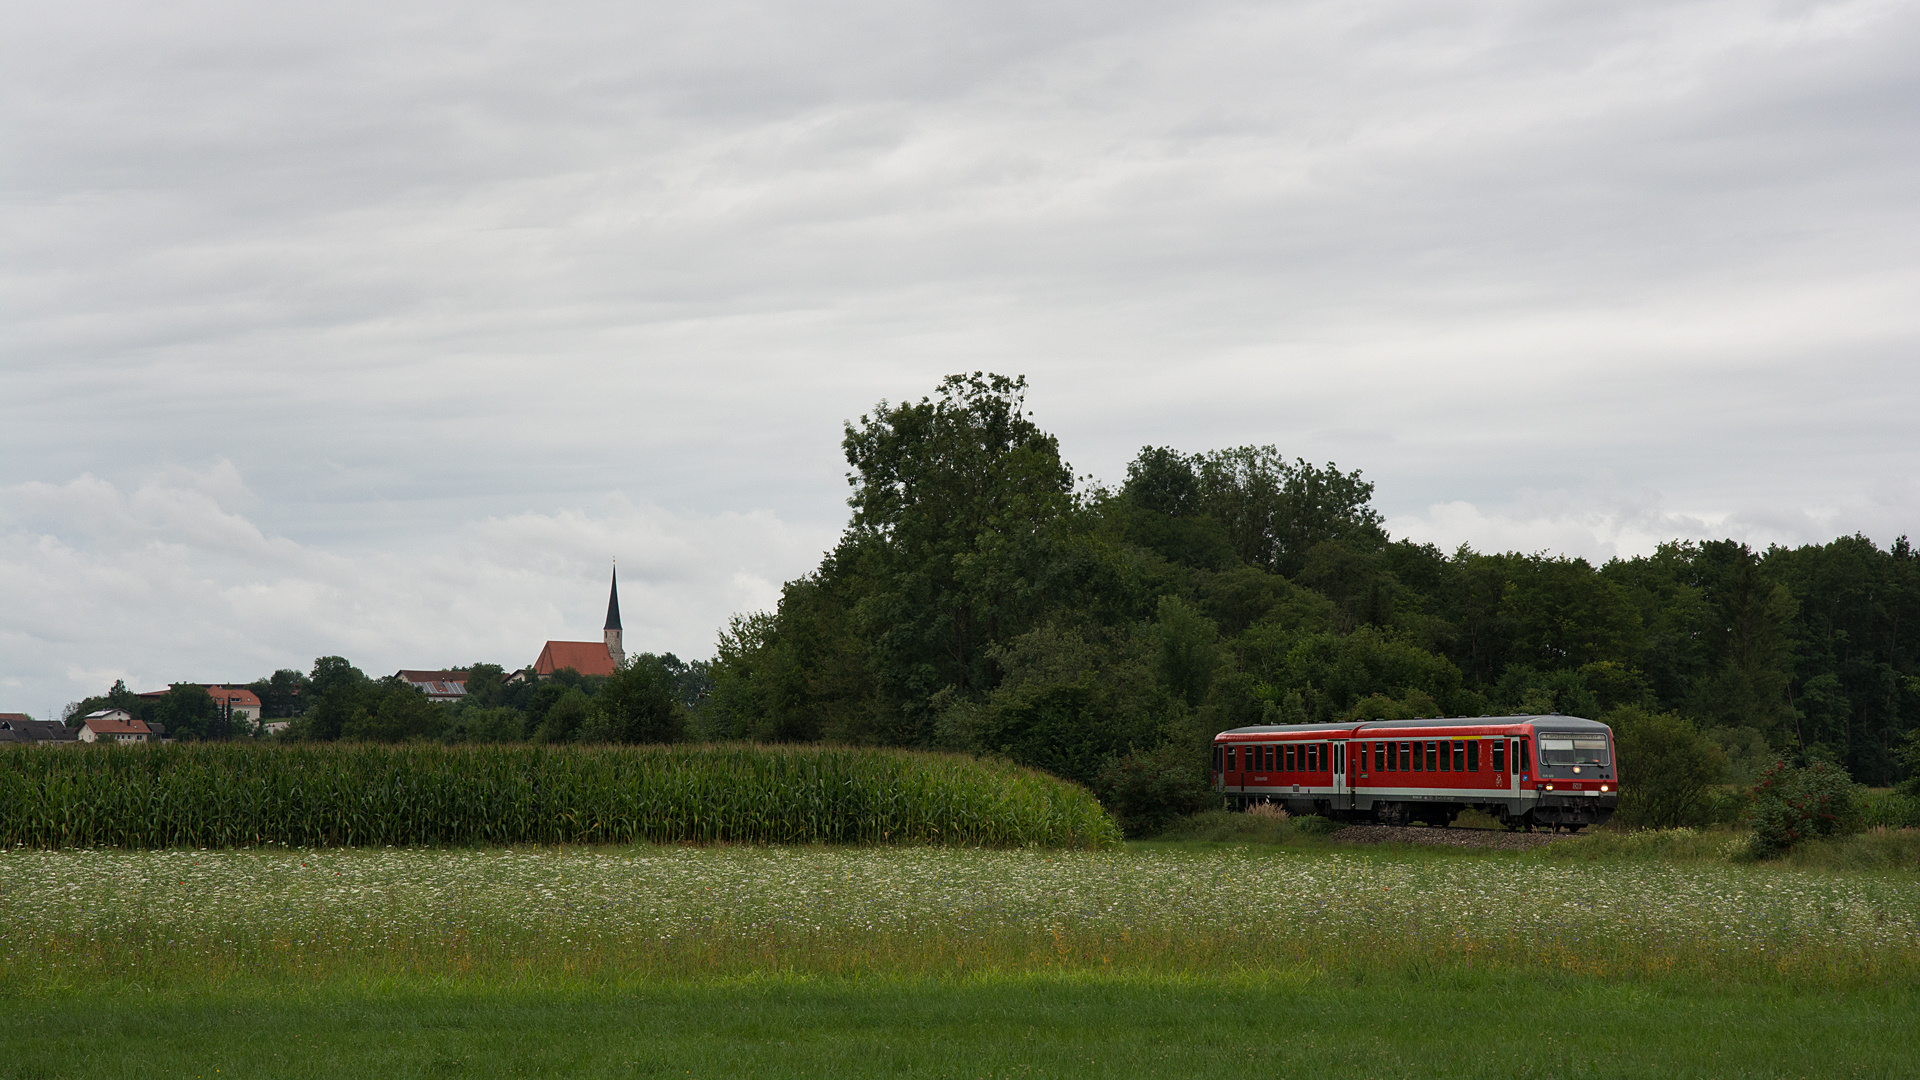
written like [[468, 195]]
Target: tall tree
[[1276, 511], [955, 502]]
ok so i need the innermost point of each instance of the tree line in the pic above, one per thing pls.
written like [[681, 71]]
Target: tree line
[[651, 699], [982, 598]]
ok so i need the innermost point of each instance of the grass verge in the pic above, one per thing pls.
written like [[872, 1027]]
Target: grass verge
[[1256, 1023]]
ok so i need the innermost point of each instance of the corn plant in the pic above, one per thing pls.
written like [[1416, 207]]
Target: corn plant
[[220, 795]]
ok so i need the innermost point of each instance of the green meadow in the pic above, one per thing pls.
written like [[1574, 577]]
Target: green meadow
[[1589, 958]]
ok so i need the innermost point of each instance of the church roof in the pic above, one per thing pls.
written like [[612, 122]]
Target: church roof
[[585, 657], [613, 603]]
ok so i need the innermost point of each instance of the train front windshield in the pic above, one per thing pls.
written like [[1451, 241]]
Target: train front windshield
[[1583, 749]]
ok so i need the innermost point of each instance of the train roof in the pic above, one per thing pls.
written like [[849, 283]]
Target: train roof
[[1551, 720]]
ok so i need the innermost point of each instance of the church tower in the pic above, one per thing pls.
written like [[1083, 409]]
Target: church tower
[[614, 648]]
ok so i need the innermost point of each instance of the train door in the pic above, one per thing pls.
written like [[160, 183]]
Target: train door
[[1339, 751]]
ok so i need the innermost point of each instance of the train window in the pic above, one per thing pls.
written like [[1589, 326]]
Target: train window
[[1459, 757], [1473, 755], [1497, 755], [1433, 757], [1379, 757], [1446, 759], [1526, 757], [1310, 758], [1562, 749], [1218, 759]]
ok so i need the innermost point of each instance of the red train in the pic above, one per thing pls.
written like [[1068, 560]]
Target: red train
[[1556, 771]]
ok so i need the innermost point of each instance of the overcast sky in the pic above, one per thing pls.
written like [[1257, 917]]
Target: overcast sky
[[377, 329]]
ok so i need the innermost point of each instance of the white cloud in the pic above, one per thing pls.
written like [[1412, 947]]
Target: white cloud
[[1599, 527], [166, 583]]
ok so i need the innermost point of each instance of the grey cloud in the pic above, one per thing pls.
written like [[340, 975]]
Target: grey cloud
[[412, 269]]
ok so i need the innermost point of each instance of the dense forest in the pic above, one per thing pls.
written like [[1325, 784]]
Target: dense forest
[[981, 599]]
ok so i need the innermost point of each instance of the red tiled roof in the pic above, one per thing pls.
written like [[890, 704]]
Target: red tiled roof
[[238, 698], [241, 698], [113, 725], [585, 657], [10, 716]]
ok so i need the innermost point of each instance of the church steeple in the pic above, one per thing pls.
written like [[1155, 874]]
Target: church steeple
[[614, 648]]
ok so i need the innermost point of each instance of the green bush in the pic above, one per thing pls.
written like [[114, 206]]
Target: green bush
[[1148, 789], [1790, 805], [1315, 825], [1667, 769], [305, 795]]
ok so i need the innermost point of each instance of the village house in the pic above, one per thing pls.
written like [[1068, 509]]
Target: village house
[[237, 703], [21, 728], [113, 725], [445, 687]]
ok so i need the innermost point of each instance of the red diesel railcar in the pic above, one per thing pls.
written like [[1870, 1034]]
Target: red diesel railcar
[[1523, 770]]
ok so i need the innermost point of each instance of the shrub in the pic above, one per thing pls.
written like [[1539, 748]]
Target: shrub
[[1790, 805], [1667, 769], [1315, 825], [1148, 789]]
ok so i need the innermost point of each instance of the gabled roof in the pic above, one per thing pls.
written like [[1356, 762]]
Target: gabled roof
[[238, 697], [585, 657], [439, 684], [19, 727], [105, 722]]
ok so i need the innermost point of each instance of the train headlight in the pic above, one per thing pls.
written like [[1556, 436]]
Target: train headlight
[[1606, 787], [1549, 787]]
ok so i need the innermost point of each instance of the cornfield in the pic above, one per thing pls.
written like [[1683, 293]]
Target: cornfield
[[218, 795]]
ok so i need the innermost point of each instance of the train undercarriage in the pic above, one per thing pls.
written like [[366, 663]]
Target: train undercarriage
[[1569, 813]]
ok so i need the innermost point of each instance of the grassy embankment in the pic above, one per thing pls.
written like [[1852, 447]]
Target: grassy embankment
[[1163, 959]]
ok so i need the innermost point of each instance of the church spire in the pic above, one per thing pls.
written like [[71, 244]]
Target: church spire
[[614, 648]]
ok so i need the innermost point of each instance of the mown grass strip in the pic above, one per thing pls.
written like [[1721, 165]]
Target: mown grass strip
[[239, 795], [1049, 1026]]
